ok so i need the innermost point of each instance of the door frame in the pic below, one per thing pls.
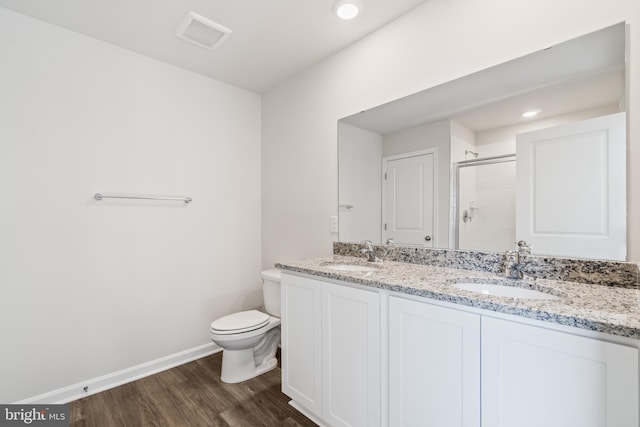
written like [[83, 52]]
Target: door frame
[[436, 220]]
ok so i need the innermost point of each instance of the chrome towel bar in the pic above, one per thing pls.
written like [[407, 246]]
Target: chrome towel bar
[[100, 196]]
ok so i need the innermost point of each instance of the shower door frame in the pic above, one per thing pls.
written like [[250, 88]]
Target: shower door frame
[[455, 189]]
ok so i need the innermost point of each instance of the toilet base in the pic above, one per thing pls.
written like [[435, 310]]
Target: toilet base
[[239, 365], [242, 364]]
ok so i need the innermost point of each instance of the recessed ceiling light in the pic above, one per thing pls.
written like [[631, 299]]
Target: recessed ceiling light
[[529, 114], [347, 9]]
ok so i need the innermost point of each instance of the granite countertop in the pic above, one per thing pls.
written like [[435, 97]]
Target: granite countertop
[[613, 310]]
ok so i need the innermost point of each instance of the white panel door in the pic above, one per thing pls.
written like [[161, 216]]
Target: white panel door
[[351, 356], [434, 366], [301, 341], [533, 377], [409, 199], [571, 195]]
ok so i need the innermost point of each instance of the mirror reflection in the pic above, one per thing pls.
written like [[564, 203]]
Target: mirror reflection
[[533, 149]]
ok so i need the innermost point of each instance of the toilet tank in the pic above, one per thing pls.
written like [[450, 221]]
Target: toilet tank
[[271, 291]]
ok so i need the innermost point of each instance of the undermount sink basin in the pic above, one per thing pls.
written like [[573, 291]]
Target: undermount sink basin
[[504, 291], [350, 267]]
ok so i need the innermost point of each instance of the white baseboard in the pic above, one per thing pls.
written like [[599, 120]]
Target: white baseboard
[[105, 382]]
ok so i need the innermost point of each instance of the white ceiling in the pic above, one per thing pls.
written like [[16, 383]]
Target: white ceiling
[[271, 40], [579, 74]]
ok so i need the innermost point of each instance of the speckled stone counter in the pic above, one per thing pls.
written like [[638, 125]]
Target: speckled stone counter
[[609, 309], [602, 272]]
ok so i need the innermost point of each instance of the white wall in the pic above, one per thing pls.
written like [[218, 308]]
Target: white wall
[[435, 43], [462, 140], [360, 170], [90, 288]]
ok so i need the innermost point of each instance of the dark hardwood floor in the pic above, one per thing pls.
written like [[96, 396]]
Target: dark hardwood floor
[[190, 395]]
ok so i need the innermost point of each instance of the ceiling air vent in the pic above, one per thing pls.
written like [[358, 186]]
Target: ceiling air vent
[[201, 31]]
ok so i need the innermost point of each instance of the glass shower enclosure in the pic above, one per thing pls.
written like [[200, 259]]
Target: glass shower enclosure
[[484, 211]]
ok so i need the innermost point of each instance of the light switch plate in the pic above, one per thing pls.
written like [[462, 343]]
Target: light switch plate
[[334, 224]]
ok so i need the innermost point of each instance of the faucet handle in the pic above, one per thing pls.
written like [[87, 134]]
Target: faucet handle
[[524, 248], [512, 256]]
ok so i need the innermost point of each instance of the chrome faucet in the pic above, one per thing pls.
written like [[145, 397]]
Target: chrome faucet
[[370, 251], [513, 265]]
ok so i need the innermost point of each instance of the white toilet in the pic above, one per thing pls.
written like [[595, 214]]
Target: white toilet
[[250, 339]]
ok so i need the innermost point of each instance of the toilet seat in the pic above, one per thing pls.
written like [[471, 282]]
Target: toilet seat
[[237, 323]]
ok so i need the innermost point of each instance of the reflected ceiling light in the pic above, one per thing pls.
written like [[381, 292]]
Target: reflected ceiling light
[[347, 9], [529, 114]]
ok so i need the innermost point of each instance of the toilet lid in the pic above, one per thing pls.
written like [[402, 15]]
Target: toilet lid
[[240, 322]]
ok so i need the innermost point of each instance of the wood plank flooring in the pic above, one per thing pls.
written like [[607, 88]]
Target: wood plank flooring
[[190, 395]]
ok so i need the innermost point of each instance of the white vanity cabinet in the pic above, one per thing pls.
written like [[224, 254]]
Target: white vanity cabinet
[[359, 357], [534, 377], [449, 367], [331, 351], [434, 365]]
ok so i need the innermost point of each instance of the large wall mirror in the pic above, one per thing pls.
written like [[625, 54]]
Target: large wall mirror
[[533, 149]]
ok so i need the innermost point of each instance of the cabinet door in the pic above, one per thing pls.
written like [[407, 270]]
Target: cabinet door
[[301, 340], [534, 377], [434, 368], [351, 356]]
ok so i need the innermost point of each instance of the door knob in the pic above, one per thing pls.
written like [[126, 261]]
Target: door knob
[[427, 238]]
